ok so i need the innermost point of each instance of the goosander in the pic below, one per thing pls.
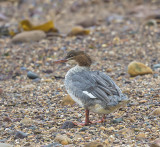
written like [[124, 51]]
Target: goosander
[[93, 90]]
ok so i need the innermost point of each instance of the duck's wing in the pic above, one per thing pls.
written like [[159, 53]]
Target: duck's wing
[[94, 85]]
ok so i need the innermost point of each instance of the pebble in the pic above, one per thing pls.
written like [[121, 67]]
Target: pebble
[[7, 119], [88, 22], [140, 136], [32, 75], [68, 124], [5, 145], [110, 129], [20, 135], [102, 128], [155, 75], [106, 142], [55, 144], [156, 112], [27, 121], [67, 100], [78, 137], [62, 139], [156, 66], [118, 120], [142, 101], [83, 129], [1, 91], [137, 68], [155, 143], [78, 30], [93, 144], [36, 80], [29, 36], [23, 68]]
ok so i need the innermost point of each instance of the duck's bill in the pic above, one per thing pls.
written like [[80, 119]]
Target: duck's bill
[[61, 61]]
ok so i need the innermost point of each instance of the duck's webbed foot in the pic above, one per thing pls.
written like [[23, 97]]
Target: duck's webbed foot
[[87, 121]]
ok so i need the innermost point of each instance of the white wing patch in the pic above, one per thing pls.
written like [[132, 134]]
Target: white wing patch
[[89, 94]]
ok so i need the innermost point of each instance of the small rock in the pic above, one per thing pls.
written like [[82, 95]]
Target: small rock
[[78, 137], [23, 68], [67, 100], [83, 129], [142, 101], [78, 31], [29, 36], [118, 120], [7, 119], [140, 136], [114, 18], [155, 143], [106, 142], [156, 66], [1, 91], [88, 22], [110, 129], [151, 22], [63, 139], [32, 75], [93, 144], [156, 112], [55, 144], [137, 68], [5, 145], [68, 124], [29, 87], [102, 128], [20, 135], [155, 75], [27, 121], [36, 80]]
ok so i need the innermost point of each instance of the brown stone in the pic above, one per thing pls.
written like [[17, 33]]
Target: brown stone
[[93, 144], [137, 68], [155, 143], [67, 100], [62, 139], [156, 112], [78, 30], [140, 136]]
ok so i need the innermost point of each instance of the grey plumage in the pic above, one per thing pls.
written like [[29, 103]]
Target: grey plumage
[[101, 89]]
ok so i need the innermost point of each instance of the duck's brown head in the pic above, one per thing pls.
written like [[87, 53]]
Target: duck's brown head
[[79, 56]]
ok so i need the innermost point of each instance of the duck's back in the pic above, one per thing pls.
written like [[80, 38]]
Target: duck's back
[[90, 88]]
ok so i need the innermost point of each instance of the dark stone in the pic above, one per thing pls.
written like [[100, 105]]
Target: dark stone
[[83, 129], [47, 71], [68, 124], [32, 75], [20, 135]]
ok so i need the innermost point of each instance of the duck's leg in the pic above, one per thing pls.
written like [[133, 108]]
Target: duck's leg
[[103, 118], [87, 121]]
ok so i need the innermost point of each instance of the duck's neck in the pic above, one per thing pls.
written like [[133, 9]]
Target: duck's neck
[[83, 60], [76, 69], [79, 68]]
